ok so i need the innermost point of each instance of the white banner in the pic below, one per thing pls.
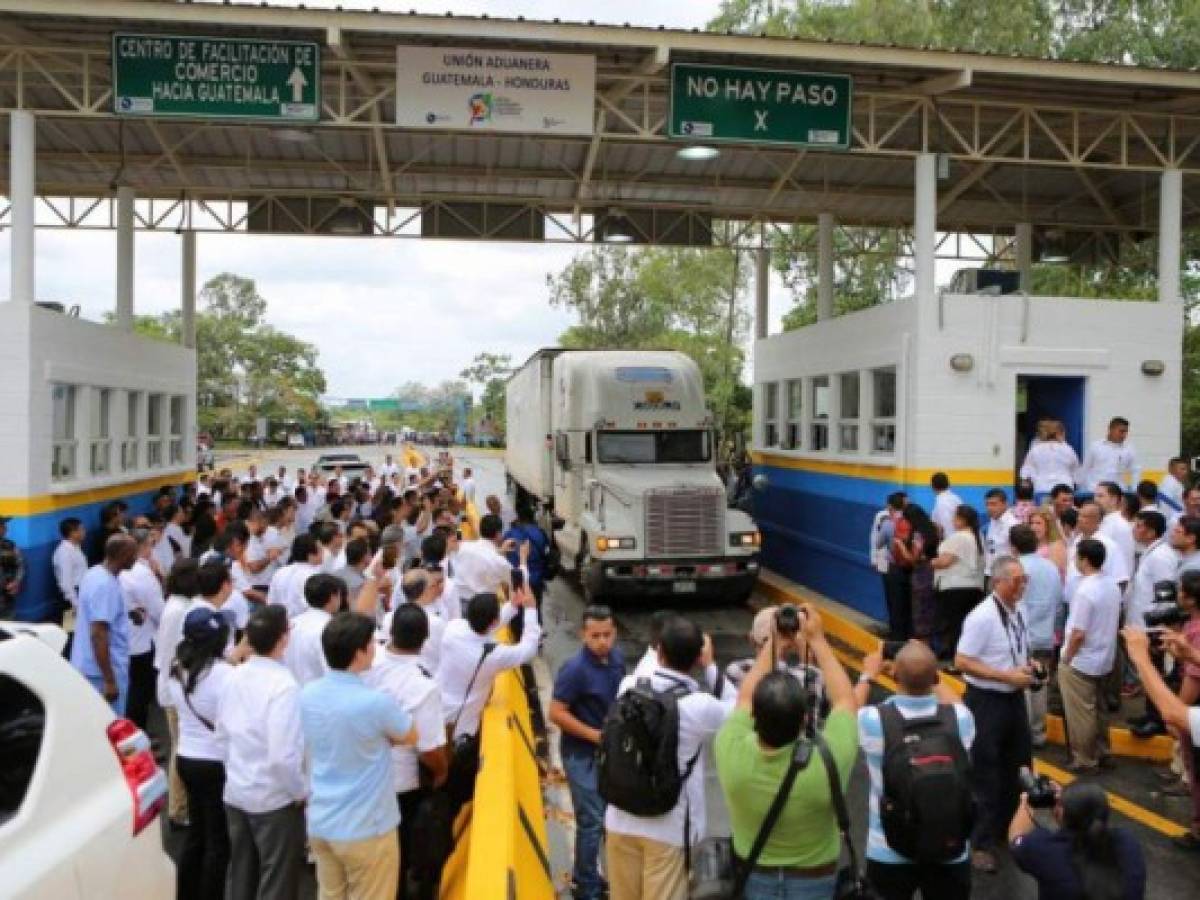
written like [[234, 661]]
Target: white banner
[[495, 90]]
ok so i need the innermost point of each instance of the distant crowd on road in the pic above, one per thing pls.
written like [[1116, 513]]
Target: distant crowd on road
[[321, 646]]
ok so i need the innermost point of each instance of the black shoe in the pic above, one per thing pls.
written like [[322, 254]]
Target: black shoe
[[1148, 730]]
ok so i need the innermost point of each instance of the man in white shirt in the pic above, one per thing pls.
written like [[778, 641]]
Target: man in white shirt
[[1088, 526], [258, 722], [325, 595], [645, 855], [945, 504], [287, 587], [69, 561], [467, 486], [331, 541], [389, 469], [172, 543], [1114, 524], [400, 672], [1158, 562], [423, 588], [993, 655], [1087, 656], [465, 653], [1000, 520], [1111, 459], [481, 566], [144, 604], [1173, 484]]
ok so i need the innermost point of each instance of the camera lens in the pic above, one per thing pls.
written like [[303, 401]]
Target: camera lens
[[787, 619]]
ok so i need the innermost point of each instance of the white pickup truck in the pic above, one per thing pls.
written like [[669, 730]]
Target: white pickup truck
[[615, 447], [80, 793]]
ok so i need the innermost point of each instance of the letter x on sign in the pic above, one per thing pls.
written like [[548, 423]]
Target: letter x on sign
[[760, 120]]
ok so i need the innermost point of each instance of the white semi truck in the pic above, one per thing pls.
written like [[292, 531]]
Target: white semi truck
[[616, 450]]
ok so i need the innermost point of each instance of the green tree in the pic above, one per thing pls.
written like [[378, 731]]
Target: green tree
[[244, 368], [674, 298], [490, 372]]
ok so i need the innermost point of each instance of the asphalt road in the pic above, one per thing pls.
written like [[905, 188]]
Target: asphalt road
[[1173, 873]]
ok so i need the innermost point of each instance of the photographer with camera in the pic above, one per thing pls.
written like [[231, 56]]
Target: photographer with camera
[[782, 625], [1085, 858]]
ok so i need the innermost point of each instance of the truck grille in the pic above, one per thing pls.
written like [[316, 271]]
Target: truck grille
[[685, 522]]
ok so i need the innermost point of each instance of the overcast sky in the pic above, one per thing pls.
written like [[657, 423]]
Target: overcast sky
[[382, 312]]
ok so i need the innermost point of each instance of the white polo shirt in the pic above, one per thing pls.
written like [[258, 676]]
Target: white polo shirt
[[1106, 461], [304, 656], [701, 716], [1120, 529], [1049, 464], [403, 678], [1096, 611], [996, 640], [287, 587], [1114, 563]]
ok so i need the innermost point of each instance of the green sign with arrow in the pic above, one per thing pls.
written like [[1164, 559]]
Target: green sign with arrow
[[216, 78], [760, 106]]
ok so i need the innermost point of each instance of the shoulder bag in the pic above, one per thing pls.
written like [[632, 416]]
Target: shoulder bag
[[851, 883]]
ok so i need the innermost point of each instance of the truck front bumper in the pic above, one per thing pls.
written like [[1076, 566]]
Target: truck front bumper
[[730, 578]]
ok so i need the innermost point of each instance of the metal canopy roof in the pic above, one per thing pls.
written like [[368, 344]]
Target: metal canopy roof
[[1060, 144]]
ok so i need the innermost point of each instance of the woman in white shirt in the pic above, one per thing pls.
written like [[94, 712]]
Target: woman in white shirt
[[1051, 461], [199, 675], [958, 579]]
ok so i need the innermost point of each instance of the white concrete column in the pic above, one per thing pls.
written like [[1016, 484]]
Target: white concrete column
[[762, 289], [22, 184], [125, 258], [824, 266], [187, 279], [1025, 255], [1170, 223], [925, 227]]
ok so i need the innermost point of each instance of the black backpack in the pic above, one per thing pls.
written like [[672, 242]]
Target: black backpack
[[638, 758], [926, 808]]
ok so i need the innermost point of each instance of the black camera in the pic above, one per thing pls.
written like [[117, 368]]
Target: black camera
[[890, 649], [1040, 675], [787, 620], [1038, 789]]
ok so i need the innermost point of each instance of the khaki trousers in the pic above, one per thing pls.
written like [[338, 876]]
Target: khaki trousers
[[177, 804], [358, 870], [1086, 715], [639, 868]]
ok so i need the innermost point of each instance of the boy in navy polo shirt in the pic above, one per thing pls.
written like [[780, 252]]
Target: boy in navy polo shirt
[[584, 690]]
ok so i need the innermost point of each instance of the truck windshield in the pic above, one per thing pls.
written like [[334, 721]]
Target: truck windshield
[[653, 446]]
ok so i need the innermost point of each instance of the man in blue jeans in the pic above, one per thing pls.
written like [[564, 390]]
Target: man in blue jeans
[[584, 690]]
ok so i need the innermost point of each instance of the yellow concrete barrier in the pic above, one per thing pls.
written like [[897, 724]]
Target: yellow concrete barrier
[[502, 850]]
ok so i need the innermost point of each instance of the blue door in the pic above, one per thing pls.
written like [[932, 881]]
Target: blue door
[[1051, 397]]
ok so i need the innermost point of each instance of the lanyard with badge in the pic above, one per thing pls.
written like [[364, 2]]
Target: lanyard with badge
[[1017, 631]]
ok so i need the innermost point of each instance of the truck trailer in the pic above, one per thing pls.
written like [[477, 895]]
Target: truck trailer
[[615, 449]]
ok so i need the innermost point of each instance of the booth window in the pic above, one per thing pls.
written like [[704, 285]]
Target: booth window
[[133, 416], [176, 423], [848, 413], [154, 430], [62, 466], [819, 431], [101, 443], [771, 414], [795, 405], [883, 416]]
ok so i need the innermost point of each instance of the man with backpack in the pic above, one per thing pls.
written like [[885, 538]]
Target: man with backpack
[[651, 767], [777, 772], [921, 809]]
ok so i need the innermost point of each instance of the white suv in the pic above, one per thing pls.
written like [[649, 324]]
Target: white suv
[[80, 792]]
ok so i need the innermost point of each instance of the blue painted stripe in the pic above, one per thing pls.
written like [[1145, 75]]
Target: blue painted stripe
[[37, 536], [816, 528]]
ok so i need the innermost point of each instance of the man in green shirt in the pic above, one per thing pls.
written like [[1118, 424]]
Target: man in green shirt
[[753, 751]]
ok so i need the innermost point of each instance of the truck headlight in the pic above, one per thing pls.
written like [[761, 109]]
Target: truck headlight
[[745, 539], [604, 543]]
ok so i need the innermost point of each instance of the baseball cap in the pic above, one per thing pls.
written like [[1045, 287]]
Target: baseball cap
[[760, 630], [202, 622]]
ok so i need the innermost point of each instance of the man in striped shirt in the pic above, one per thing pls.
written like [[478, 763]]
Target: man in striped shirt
[[919, 694]]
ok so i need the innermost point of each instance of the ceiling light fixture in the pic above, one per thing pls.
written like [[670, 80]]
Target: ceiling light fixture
[[697, 153]]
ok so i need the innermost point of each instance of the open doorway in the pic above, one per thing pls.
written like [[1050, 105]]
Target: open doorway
[[1048, 397]]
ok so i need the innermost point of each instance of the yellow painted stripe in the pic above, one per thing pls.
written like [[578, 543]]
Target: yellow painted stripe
[[1127, 808], [883, 471], [30, 506], [1121, 741]]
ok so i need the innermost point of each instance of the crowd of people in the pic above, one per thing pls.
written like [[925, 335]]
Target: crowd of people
[[322, 648]]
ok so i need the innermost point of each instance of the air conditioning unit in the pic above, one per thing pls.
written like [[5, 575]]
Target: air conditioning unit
[[985, 281]]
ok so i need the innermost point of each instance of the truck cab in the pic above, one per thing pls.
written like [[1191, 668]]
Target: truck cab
[[617, 447]]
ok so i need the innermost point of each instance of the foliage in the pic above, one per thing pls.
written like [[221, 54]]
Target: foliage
[[244, 368], [440, 407], [672, 298], [489, 371]]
